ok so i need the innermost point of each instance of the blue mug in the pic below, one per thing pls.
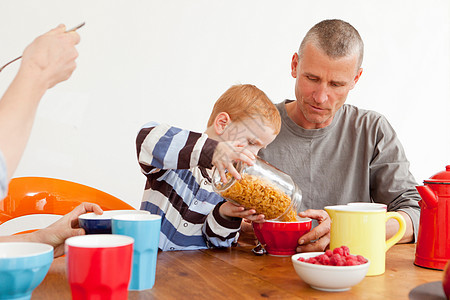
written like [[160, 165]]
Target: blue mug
[[145, 229]]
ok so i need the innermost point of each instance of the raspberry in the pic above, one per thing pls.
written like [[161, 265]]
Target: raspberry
[[323, 259], [339, 251], [351, 257], [340, 263], [335, 259], [361, 259], [352, 263], [311, 260], [346, 250]]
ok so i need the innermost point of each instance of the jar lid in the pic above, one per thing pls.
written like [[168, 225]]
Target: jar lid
[[441, 177]]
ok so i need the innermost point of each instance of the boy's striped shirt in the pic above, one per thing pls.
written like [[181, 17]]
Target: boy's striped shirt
[[177, 164]]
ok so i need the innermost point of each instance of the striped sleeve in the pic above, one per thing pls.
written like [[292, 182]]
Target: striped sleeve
[[218, 231], [160, 146]]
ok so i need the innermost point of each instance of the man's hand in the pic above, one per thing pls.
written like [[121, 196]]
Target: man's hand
[[228, 152], [318, 238], [56, 234]]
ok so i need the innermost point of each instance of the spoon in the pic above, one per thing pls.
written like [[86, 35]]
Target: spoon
[[259, 250]]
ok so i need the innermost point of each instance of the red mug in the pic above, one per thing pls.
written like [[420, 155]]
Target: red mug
[[99, 266]]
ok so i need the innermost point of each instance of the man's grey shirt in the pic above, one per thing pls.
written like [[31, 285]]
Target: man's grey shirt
[[357, 158]]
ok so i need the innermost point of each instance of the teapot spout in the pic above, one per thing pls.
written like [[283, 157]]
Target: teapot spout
[[428, 196]]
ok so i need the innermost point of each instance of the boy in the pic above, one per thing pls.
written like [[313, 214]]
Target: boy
[[177, 164]]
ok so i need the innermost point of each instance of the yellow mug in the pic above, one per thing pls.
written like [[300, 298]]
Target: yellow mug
[[363, 230]]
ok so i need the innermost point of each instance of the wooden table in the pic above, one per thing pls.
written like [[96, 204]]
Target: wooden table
[[236, 273]]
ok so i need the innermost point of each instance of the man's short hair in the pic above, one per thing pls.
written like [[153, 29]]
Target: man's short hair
[[244, 101], [336, 38]]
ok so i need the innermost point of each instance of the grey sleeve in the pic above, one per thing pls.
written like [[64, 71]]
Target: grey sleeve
[[391, 182], [3, 177]]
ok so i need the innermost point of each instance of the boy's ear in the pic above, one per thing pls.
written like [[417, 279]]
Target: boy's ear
[[220, 122]]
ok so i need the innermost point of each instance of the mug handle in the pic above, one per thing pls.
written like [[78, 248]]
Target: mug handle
[[401, 231]]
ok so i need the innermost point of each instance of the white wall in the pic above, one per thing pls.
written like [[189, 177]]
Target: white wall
[[169, 61]]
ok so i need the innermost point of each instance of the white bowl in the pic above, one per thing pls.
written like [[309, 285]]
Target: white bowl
[[28, 222], [328, 278]]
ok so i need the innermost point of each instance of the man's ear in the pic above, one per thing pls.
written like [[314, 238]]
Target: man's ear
[[221, 121], [358, 75], [294, 65]]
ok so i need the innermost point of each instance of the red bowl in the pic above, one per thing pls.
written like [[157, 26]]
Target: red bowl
[[281, 238]]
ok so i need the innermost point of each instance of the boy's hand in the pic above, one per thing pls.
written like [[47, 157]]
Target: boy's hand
[[228, 152], [229, 210]]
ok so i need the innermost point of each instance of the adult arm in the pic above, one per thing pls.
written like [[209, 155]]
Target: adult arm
[[48, 60], [392, 183], [58, 232]]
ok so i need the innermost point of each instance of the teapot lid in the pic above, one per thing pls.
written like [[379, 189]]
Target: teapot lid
[[441, 177]]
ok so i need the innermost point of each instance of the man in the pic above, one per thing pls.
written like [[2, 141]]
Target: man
[[335, 152], [48, 60]]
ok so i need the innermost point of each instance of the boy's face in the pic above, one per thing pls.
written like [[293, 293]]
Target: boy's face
[[252, 134]]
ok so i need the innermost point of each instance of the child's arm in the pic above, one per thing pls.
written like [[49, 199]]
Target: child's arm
[[224, 222], [160, 146]]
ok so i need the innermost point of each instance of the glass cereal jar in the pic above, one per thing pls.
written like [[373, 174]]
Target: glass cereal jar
[[262, 187]]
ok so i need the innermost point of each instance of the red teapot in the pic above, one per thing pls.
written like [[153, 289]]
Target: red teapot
[[433, 240]]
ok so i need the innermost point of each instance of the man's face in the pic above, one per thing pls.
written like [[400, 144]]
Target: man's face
[[322, 85]]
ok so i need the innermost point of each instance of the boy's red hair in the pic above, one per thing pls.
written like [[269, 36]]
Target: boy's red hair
[[247, 101]]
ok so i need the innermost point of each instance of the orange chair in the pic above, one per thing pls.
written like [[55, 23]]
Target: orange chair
[[42, 195]]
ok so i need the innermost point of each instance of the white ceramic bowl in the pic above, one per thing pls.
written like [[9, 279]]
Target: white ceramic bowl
[[328, 278], [28, 222]]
